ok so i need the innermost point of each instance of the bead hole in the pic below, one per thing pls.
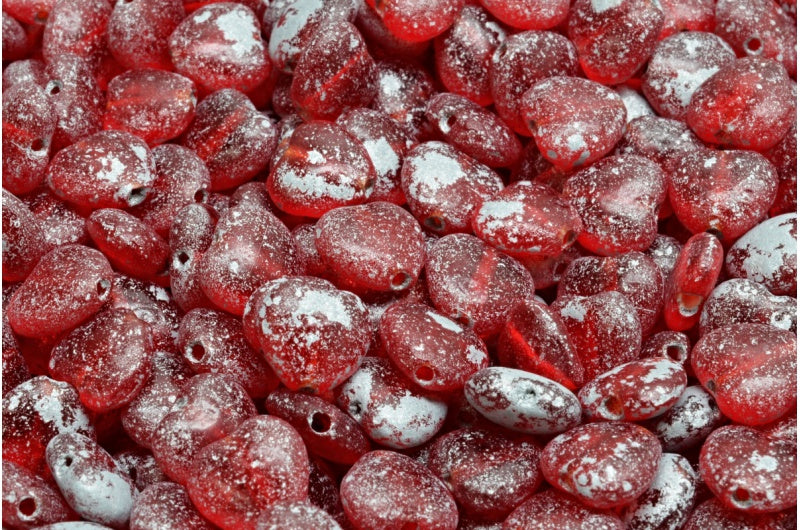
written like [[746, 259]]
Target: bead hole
[[400, 281], [320, 422], [27, 507], [195, 353], [716, 232], [37, 145], [102, 288], [182, 257], [689, 304], [133, 474], [753, 45], [54, 87], [613, 407], [200, 196], [355, 410], [424, 373], [570, 237], [67, 461], [741, 498], [676, 352], [435, 223], [137, 195]]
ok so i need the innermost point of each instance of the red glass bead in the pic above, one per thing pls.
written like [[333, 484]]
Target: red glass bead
[[250, 247], [463, 54], [488, 473], [190, 236], [444, 186], [90, 481], [767, 254], [327, 431], [733, 361], [154, 105], [574, 121], [604, 465], [749, 471], [147, 46], [33, 413], [519, 62], [617, 199], [388, 407], [109, 169], [680, 64], [374, 247], [666, 142], [208, 408], [692, 280], [131, 246], [672, 345], [141, 417], [745, 301], [335, 71], [687, 15], [690, 420], [233, 139], [384, 44], [614, 38], [68, 285], [529, 14], [552, 510], [746, 104], [633, 274], [15, 368], [295, 516], [76, 27], [292, 25], [634, 391], [60, 222], [664, 251], [534, 339], [430, 349], [403, 94], [142, 468], [758, 29], [387, 489], [219, 46], [212, 341], [76, 98], [386, 143], [522, 401], [417, 21], [24, 72], [166, 505], [24, 241], [322, 168], [713, 514], [107, 359], [669, 500], [783, 156], [473, 283], [15, 40], [546, 271], [260, 463], [323, 491], [29, 501], [603, 328], [29, 122], [311, 334], [29, 11], [475, 131]]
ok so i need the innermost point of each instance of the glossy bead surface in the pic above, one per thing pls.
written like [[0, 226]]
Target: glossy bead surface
[[733, 361], [24, 241], [30, 501], [690, 420], [148, 47], [553, 510], [739, 300], [166, 504]]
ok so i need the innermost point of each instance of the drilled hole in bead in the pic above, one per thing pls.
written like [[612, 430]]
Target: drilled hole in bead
[[37, 145], [424, 373], [464, 320], [182, 257], [400, 281], [435, 223], [354, 409], [137, 196], [676, 352], [102, 287], [53, 87], [133, 474], [41, 17], [570, 237], [200, 196], [613, 407], [451, 120], [67, 461], [26, 507], [716, 232], [320, 422], [195, 353], [753, 46], [688, 304], [741, 498]]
